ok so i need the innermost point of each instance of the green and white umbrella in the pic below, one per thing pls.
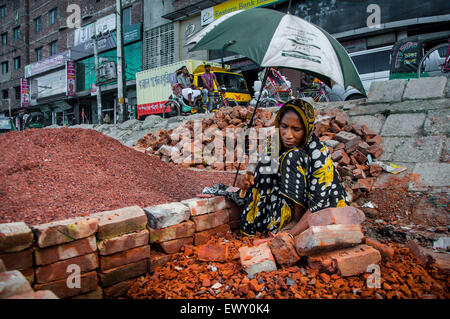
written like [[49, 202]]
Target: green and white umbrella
[[274, 39]]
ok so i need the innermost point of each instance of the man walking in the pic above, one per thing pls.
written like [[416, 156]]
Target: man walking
[[208, 79]]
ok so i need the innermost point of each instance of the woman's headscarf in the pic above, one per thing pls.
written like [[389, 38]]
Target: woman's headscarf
[[306, 113]]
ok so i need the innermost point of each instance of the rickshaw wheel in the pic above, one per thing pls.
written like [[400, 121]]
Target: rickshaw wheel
[[269, 103], [171, 108], [231, 102]]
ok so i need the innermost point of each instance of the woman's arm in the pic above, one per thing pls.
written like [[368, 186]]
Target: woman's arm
[[302, 222]]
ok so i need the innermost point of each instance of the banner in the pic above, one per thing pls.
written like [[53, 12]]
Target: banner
[[24, 92], [42, 66], [107, 42], [213, 13], [70, 78]]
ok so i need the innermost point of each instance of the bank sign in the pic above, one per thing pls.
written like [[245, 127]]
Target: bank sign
[[218, 11]]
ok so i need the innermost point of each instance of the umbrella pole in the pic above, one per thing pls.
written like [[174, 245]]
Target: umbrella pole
[[266, 73]]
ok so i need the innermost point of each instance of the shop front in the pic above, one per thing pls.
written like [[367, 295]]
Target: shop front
[[48, 92], [86, 95]]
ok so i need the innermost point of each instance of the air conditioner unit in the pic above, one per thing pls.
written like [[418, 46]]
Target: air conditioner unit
[[108, 71]]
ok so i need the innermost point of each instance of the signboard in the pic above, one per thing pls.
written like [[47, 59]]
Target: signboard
[[102, 25], [42, 66], [70, 78], [93, 89], [106, 24], [218, 11], [83, 34], [24, 92], [51, 84], [107, 42]]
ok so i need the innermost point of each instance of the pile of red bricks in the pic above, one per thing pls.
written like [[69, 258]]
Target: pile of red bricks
[[198, 219], [101, 255], [172, 145], [349, 146], [333, 243]]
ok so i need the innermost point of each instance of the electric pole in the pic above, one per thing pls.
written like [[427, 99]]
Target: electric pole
[[120, 64], [97, 84]]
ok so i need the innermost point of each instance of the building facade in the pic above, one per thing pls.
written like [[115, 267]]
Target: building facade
[[367, 30]]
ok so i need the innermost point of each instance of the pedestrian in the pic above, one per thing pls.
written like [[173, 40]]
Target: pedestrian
[[107, 119], [184, 80], [208, 79], [303, 182]]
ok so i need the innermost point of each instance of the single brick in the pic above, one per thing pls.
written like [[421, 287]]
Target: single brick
[[387, 253], [283, 249], [15, 237], [19, 260], [182, 230], [124, 257], [121, 273], [118, 289], [165, 215], [120, 222], [13, 283], [346, 137], [321, 238], [96, 294], [69, 287], [218, 203], [212, 253], [198, 206], [257, 259], [203, 237], [209, 221], [41, 294], [158, 259], [375, 150], [45, 256], [61, 269], [347, 262], [337, 215], [64, 231], [174, 246], [29, 274], [124, 242]]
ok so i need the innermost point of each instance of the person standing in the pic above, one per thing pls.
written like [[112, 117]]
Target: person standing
[[208, 79]]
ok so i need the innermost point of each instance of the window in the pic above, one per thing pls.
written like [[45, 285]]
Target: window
[[16, 33], [126, 20], [17, 63], [38, 52], [53, 15], [5, 94], [3, 11], [37, 24], [372, 62], [17, 92], [53, 47], [5, 67], [159, 46], [4, 37]]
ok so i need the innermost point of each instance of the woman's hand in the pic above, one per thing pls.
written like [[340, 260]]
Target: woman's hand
[[244, 181]]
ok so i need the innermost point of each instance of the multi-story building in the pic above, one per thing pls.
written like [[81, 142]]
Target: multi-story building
[[41, 36], [367, 30], [14, 50]]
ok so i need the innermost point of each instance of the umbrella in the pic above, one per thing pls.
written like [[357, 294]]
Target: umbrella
[[274, 39]]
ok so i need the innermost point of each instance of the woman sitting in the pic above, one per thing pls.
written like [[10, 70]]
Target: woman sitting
[[304, 182]]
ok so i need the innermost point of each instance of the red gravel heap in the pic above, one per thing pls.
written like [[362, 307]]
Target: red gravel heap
[[53, 174]]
